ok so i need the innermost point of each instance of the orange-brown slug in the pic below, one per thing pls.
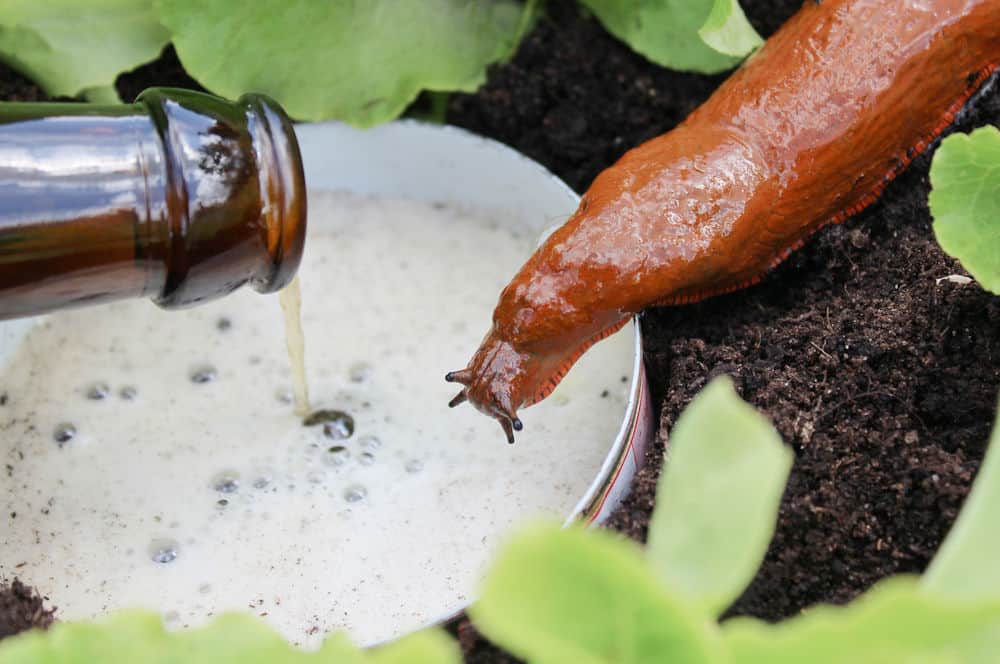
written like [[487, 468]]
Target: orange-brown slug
[[806, 133]]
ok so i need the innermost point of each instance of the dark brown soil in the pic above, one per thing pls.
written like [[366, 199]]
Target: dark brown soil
[[22, 608], [882, 380], [14, 87], [165, 71]]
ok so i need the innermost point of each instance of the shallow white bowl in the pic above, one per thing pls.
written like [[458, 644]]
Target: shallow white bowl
[[435, 163]]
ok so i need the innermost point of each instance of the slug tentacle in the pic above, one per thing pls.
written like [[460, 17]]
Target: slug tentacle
[[806, 133], [458, 399], [464, 376]]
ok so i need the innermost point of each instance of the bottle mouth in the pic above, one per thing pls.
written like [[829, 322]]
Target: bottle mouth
[[283, 192]]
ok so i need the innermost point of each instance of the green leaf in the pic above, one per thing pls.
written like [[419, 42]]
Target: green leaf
[[69, 45], [894, 622], [427, 647], [101, 94], [727, 30], [435, 109], [129, 637], [129, 634], [717, 499], [238, 638], [362, 62], [585, 597], [965, 202], [532, 11], [966, 563], [665, 31], [337, 649]]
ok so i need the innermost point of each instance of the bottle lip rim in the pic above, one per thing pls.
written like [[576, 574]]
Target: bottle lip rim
[[283, 191]]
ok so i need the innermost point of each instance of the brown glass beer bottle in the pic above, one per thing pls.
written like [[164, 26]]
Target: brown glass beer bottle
[[181, 197]]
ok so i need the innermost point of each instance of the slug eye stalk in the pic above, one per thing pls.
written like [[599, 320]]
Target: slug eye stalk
[[508, 419]]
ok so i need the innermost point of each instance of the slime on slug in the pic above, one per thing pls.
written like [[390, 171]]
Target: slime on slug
[[805, 134]]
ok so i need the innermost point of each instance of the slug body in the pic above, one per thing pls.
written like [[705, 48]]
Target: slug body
[[806, 133]]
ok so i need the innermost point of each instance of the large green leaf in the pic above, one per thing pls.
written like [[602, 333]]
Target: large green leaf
[[69, 45], [666, 31], [238, 638], [965, 202], [361, 62], [893, 623], [426, 647], [139, 636], [131, 637], [727, 30], [966, 566], [577, 597], [717, 500]]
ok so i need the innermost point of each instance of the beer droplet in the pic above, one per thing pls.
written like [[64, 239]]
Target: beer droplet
[[226, 482], [336, 423], [338, 430], [359, 372], [64, 433], [336, 455], [204, 374], [163, 551], [98, 391], [355, 493], [370, 442]]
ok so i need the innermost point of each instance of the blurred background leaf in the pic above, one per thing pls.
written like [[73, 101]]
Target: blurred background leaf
[[70, 46], [361, 62]]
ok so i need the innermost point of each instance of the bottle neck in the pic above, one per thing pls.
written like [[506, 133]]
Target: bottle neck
[[283, 187], [231, 204], [181, 197]]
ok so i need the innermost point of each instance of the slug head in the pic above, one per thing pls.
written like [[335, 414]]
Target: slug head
[[499, 380]]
